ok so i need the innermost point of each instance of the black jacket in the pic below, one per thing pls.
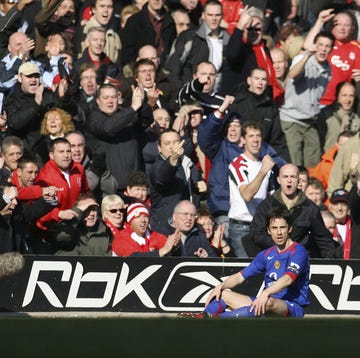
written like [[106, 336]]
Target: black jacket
[[195, 239], [168, 186], [25, 115], [308, 227], [139, 32], [106, 68], [27, 237], [261, 109], [241, 60], [192, 91], [354, 203], [188, 50], [117, 135]]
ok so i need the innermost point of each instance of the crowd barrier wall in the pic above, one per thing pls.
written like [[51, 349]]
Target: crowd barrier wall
[[166, 285]]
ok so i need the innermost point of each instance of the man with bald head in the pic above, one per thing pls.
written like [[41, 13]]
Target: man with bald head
[[19, 47], [193, 241], [307, 225]]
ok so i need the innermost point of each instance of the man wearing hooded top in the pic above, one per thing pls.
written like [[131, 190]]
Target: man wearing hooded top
[[219, 138]]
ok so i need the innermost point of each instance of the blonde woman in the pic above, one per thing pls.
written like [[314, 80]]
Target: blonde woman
[[113, 210], [55, 124]]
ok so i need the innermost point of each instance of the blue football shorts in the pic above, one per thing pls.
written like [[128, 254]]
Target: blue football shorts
[[295, 310]]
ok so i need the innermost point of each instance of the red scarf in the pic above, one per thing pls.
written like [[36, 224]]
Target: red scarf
[[347, 242], [114, 230], [264, 61]]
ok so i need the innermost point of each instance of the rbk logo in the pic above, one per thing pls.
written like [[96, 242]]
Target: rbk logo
[[198, 281]]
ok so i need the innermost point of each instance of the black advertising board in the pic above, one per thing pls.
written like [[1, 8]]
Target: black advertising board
[[167, 285]]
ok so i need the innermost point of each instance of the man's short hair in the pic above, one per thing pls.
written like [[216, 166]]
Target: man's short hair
[[345, 134], [168, 130], [212, 3], [340, 85], [142, 62], [67, 134], [325, 34], [303, 170], [59, 140], [104, 86], [179, 205], [288, 29], [279, 213], [87, 66], [138, 178], [251, 125], [11, 140], [95, 29], [50, 37], [262, 69], [26, 159], [179, 11], [206, 62], [316, 183]]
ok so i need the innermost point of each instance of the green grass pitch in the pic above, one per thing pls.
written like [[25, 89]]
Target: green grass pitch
[[176, 337]]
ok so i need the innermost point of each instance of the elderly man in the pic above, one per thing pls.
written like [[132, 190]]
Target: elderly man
[[86, 234], [308, 226], [102, 11], [193, 242], [94, 53]]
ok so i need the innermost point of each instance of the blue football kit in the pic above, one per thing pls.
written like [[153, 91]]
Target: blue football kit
[[294, 261]]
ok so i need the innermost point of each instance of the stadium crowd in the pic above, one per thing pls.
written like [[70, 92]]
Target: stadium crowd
[[173, 128]]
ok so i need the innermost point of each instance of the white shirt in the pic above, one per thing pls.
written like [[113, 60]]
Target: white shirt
[[243, 171]]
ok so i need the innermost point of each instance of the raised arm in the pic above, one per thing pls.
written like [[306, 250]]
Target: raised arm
[[323, 18]]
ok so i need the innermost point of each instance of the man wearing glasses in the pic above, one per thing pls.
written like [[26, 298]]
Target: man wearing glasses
[[193, 241]]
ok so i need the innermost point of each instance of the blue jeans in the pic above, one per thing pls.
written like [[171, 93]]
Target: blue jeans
[[236, 231]]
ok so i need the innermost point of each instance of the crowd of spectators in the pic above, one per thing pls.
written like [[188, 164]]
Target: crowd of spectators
[[174, 128]]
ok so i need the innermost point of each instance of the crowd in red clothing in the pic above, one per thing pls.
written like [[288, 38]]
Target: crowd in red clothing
[[119, 120]]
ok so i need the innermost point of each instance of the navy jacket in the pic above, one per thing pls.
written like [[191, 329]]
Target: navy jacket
[[213, 142], [195, 239]]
